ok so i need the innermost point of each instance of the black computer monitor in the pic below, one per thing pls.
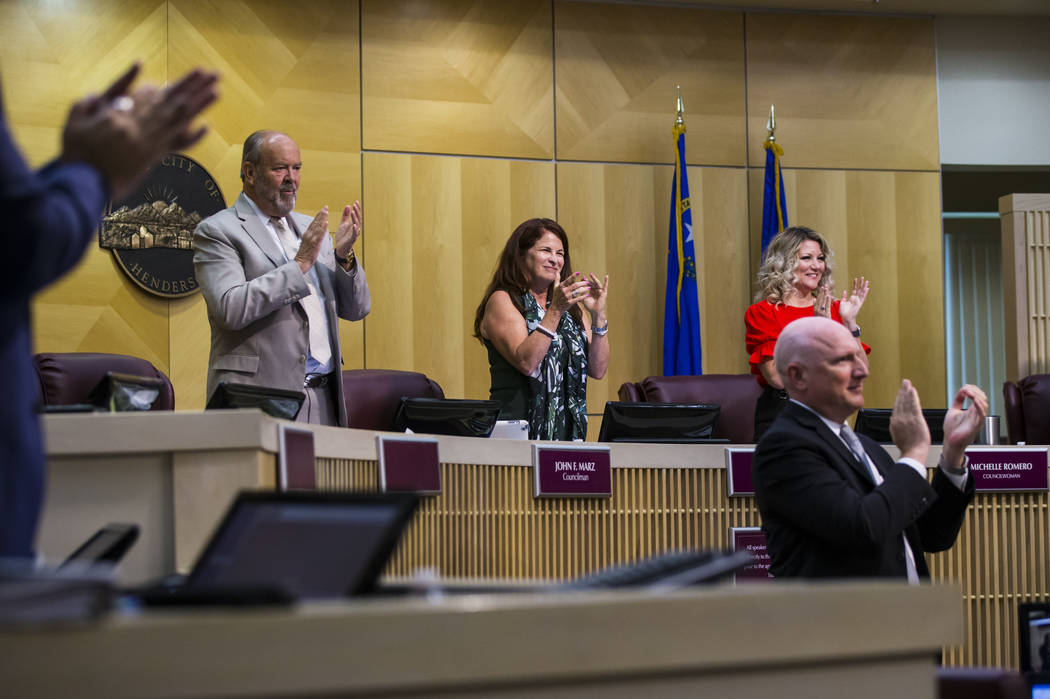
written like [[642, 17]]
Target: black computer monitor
[[1033, 626], [875, 423], [118, 392], [277, 402], [455, 416], [308, 544], [673, 423]]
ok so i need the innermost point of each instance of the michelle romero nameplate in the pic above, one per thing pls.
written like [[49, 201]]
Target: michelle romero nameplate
[[571, 471], [1008, 469]]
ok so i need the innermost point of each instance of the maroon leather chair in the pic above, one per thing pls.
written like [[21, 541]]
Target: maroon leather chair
[[631, 392], [372, 395], [1027, 408], [736, 393], [66, 378]]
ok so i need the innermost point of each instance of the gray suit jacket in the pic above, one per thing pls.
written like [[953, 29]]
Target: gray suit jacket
[[259, 331]]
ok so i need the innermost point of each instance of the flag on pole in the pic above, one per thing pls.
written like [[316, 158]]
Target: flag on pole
[[682, 307], [774, 206]]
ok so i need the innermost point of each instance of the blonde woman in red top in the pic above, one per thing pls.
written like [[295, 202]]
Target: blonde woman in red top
[[793, 282]]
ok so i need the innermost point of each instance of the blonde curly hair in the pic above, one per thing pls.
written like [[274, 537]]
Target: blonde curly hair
[[776, 276]]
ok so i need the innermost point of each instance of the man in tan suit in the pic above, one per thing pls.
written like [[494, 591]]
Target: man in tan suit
[[275, 285]]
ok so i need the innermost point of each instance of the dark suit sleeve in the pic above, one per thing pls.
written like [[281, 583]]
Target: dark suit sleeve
[[800, 483], [48, 219], [939, 526]]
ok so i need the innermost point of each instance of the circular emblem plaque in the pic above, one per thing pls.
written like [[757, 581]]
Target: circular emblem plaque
[[151, 231]]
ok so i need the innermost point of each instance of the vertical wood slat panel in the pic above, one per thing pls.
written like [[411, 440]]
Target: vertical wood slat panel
[[486, 523], [1026, 263]]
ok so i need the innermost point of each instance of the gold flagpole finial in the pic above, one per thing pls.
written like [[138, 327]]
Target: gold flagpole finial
[[771, 125], [681, 109]]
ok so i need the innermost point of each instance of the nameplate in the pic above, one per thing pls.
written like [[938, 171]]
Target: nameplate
[[408, 464], [571, 471], [752, 540], [1008, 469], [738, 471], [295, 458]]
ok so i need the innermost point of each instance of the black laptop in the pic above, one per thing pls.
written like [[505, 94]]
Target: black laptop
[[278, 547]]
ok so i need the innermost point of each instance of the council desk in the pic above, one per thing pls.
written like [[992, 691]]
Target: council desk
[[796, 641], [175, 474]]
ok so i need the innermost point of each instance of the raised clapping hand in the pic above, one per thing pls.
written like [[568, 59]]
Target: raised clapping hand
[[570, 291], [907, 425], [822, 307], [961, 426], [349, 229], [124, 135], [851, 302], [310, 244], [594, 300]]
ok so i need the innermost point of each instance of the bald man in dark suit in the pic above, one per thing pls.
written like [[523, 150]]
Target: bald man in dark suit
[[835, 504]]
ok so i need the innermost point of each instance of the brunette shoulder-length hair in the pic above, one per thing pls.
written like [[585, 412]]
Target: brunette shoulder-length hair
[[776, 276], [511, 275]]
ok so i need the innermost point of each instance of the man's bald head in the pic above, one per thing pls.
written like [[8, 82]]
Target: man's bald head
[[822, 365]]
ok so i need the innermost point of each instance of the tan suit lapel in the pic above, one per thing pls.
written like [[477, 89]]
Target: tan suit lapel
[[253, 226]]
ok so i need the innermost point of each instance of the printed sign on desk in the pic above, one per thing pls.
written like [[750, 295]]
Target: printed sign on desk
[[408, 464], [738, 470], [752, 540], [295, 458], [564, 471], [1008, 469]]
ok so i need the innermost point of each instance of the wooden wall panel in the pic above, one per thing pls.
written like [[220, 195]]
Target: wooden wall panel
[[850, 92], [885, 226], [458, 76], [292, 71], [616, 68], [436, 226], [619, 214], [50, 56]]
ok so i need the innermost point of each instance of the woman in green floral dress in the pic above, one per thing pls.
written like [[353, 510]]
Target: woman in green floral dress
[[541, 345]]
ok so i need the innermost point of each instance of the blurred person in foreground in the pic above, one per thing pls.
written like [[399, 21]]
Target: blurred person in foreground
[[794, 282], [109, 142], [541, 346], [276, 285], [834, 503]]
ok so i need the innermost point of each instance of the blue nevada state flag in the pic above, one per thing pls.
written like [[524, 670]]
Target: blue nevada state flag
[[774, 206], [682, 307]]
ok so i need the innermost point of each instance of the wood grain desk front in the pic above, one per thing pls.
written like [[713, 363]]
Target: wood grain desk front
[[861, 640]]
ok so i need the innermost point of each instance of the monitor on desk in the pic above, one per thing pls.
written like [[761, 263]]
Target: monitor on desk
[[308, 544], [1033, 626], [670, 423], [277, 402], [875, 423], [453, 416]]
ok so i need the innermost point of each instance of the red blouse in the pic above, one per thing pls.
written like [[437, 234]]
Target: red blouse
[[764, 321]]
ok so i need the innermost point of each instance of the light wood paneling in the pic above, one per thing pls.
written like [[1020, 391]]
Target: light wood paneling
[[50, 56], [1026, 260], [433, 252], [619, 214], [458, 76], [616, 67], [292, 71], [850, 92], [885, 226]]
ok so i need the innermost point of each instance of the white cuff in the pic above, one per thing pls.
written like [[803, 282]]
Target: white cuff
[[920, 468]]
